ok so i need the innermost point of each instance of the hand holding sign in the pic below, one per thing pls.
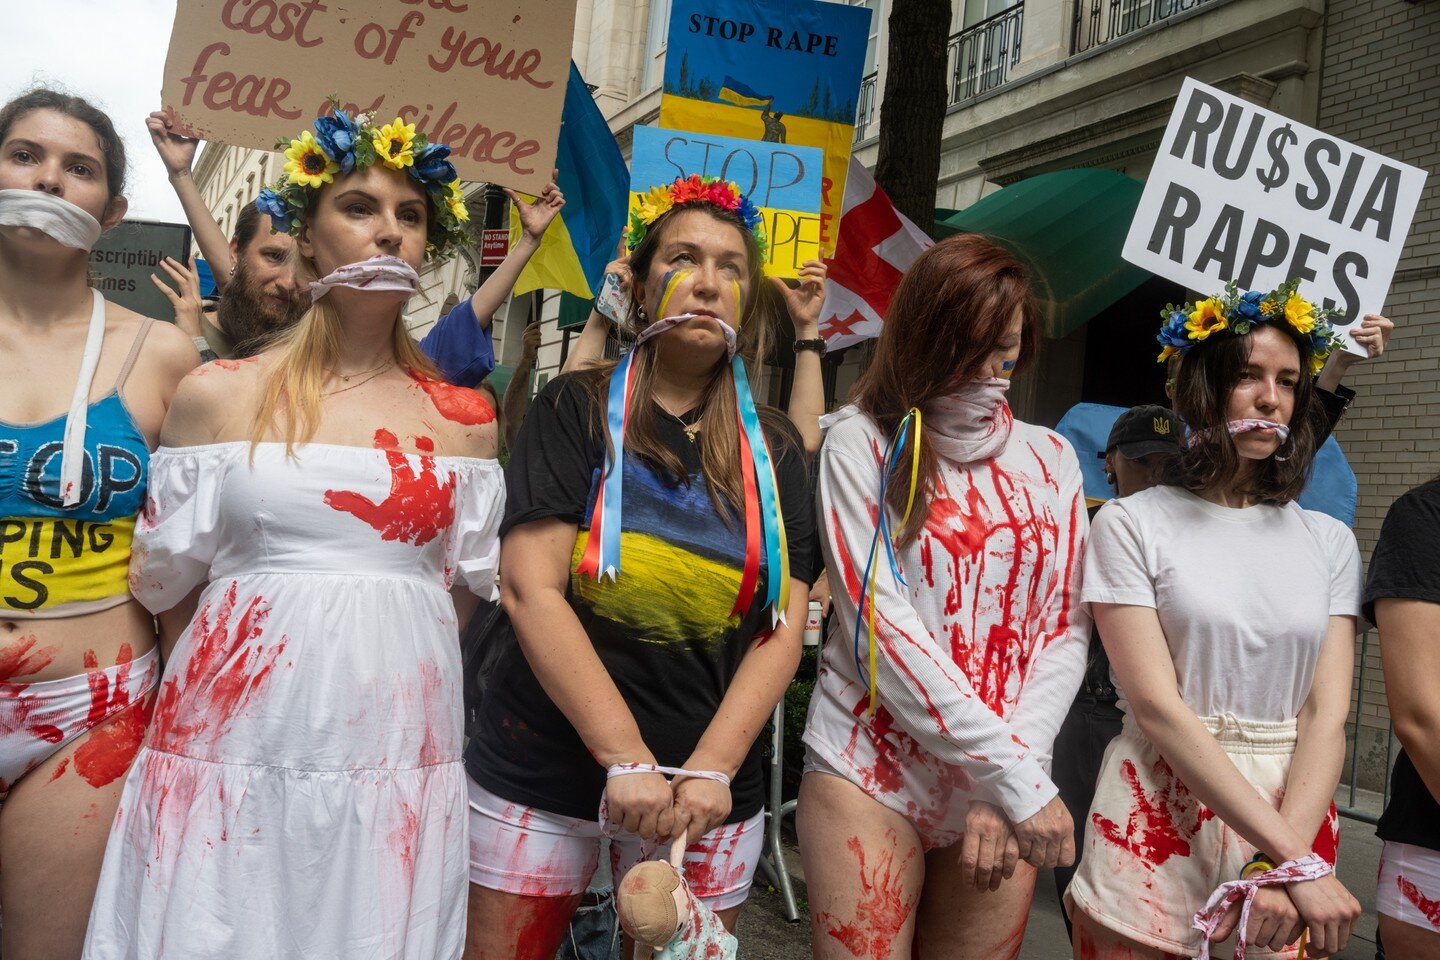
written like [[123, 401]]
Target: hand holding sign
[[782, 180], [1241, 193]]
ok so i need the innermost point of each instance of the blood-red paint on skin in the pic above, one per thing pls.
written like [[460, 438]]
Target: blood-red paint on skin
[[1161, 825], [226, 668], [1327, 840], [457, 404], [882, 908], [1430, 908], [424, 444], [20, 658], [420, 505], [59, 770], [540, 924], [385, 440]]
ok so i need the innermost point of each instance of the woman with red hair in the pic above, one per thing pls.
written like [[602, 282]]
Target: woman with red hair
[[953, 533]]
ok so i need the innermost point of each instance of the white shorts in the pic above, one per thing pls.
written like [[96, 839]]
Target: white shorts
[[1153, 853], [527, 851], [1409, 886]]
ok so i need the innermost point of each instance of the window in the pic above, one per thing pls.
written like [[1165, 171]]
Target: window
[[655, 38], [977, 10], [872, 46]]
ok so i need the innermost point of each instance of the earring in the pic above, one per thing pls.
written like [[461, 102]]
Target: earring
[[644, 318]]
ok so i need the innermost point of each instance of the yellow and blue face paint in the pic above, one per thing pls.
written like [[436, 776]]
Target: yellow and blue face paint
[[1007, 369], [668, 286]]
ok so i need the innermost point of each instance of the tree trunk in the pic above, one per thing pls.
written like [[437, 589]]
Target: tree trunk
[[913, 109]]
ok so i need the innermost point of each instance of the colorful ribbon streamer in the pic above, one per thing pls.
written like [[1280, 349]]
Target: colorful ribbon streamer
[[865, 610], [763, 516], [1309, 867]]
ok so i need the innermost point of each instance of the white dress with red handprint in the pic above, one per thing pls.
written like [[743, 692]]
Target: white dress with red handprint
[[300, 792], [980, 650]]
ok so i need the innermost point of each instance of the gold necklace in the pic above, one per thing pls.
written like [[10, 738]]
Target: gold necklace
[[691, 429], [351, 386]]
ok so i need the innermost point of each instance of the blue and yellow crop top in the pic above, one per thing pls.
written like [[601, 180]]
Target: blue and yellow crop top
[[59, 561]]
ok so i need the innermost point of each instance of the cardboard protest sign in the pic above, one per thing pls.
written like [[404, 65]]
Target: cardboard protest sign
[[486, 77], [782, 181], [1242, 193], [780, 72], [128, 253]]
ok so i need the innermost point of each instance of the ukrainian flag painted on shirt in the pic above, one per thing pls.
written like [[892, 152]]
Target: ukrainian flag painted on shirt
[[582, 239], [733, 91]]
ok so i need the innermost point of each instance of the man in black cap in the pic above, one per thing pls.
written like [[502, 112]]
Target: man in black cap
[[1140, 442]]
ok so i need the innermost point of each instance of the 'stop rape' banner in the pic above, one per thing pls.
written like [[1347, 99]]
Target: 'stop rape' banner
[[486, 77], [784, 72], [782, 181], [1238, 192]]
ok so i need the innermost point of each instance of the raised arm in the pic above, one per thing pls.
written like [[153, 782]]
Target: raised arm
[[535, 218], [807, 389], [590, 346], [178, 155], [517, 391]]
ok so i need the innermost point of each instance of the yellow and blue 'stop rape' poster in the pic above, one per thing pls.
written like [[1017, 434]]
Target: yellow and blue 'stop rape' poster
[[785, 72], [782, 181]]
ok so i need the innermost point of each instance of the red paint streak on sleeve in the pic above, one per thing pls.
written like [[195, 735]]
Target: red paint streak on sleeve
[[418, 509], [22, 659], [457, 404], [226, 669], [1430, 908]]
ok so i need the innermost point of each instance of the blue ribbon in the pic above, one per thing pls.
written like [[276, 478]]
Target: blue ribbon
[[765, 480], [891, 456], [615, 409]]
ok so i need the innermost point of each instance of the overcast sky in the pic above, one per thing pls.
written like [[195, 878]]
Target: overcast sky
[[112, 52]]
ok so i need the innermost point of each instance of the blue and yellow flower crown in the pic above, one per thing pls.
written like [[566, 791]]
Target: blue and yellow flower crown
[[1234, 313], [724, 194], [342, 144]]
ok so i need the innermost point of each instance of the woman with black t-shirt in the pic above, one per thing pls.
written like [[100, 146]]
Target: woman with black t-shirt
[[1402, 598], [645, 640]]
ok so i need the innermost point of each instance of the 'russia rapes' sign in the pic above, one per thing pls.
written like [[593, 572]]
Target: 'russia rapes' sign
[[783, 181], [786, 73], [486, 77], [1242, 193]]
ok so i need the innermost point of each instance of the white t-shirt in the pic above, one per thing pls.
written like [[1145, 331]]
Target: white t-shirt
[[1244, 595]]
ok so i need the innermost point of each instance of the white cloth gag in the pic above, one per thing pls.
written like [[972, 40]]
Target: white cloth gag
[[56, 217], [660, 326], [971, 424], [379, 274]]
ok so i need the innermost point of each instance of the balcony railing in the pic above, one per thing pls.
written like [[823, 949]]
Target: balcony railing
[[980, 58], [1099, 22], [981, 55], [865, 115]]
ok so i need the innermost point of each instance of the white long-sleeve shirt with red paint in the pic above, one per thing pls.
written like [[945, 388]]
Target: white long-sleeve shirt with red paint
[[979, 651]]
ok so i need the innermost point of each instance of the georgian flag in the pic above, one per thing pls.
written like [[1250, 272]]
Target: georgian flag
[[876, 245]]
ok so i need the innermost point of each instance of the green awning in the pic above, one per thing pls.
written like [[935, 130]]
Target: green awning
[[1069, 226], [500, 378]]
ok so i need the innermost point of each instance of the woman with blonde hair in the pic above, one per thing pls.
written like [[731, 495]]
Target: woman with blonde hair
[[300, 792]]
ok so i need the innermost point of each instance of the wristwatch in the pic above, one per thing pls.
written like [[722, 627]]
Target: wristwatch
[[818, 345]]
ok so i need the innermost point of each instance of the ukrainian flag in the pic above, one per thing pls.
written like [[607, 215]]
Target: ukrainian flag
[[733, 91], [596, 184]]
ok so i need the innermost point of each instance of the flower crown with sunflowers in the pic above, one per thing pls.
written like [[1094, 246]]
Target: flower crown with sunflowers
[[342, 144], [1235, 313], [724, 194]]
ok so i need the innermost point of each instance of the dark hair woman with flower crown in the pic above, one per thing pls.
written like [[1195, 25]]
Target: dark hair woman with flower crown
[[1229, 613], [85, 389], [657, 557], [953, 535], [300, 792]]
